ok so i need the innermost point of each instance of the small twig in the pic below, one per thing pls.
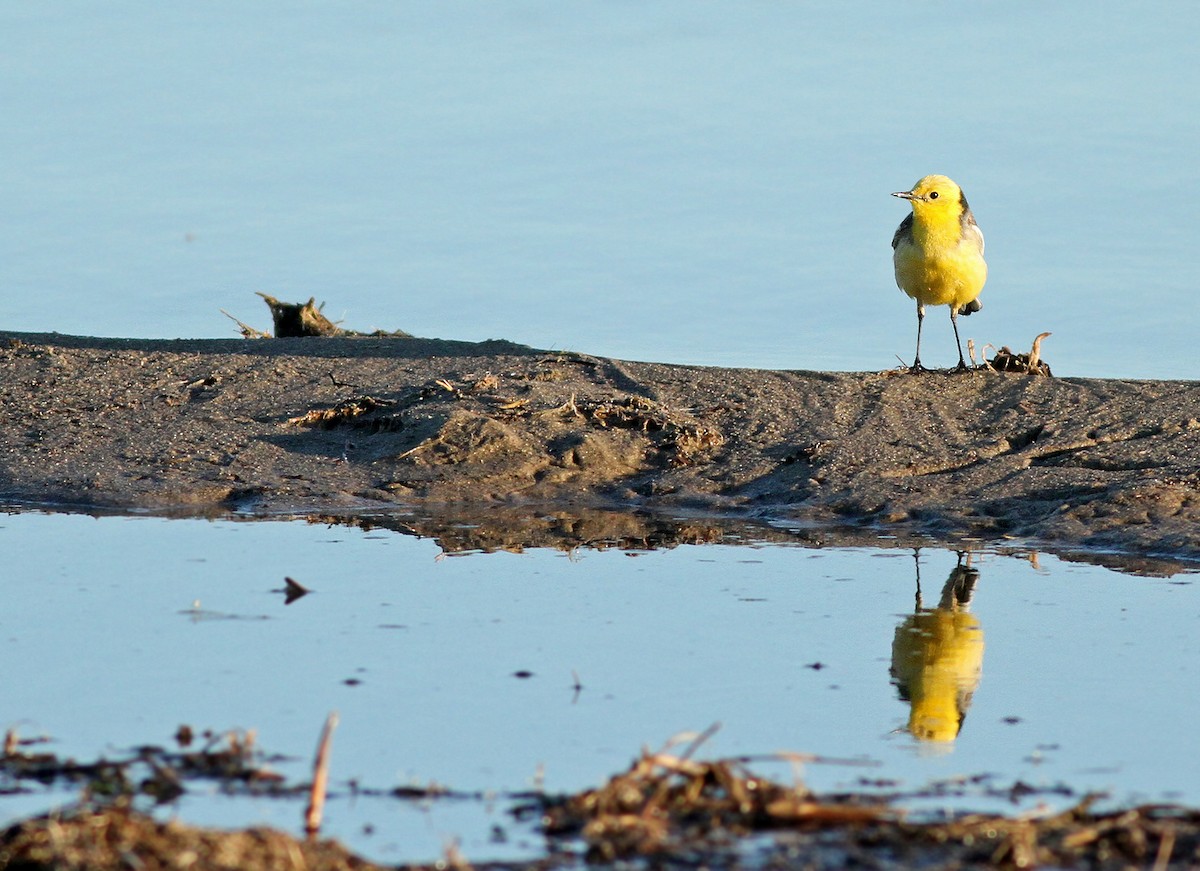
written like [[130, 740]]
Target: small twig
[[1166, 846], [336, 383], [428, 443], [698, 740], [1036, 353], [316, 798], [247, 331]]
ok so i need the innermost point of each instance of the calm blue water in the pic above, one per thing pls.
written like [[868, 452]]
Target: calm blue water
[[122, 629], [684, 181]]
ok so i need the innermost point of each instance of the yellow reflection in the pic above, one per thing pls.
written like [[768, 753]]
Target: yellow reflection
[[937, 657]]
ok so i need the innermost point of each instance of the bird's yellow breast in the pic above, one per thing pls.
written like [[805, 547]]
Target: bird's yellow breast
[[940, 261], [940, 275]]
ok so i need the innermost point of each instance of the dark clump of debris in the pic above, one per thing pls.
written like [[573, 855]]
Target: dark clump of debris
[[296, 319], [303, 320]]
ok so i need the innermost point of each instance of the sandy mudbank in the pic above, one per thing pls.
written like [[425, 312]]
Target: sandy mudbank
[[345, 424]]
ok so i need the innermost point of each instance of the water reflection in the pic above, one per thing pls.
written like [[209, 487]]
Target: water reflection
[[937, 657]]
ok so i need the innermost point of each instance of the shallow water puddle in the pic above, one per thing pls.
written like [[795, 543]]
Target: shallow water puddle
[[498, 672]]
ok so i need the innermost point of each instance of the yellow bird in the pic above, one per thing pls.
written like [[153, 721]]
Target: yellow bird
[[938, 254]]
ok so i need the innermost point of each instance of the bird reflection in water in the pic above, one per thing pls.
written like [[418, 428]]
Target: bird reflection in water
[[937, 657]]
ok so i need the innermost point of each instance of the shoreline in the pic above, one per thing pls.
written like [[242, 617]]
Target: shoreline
[[359, 426]]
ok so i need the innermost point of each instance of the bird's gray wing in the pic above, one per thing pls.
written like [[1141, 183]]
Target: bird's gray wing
[[904, 231], [970, 230]]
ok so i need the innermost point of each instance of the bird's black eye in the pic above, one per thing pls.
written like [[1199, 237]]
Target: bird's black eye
[[933, 195]]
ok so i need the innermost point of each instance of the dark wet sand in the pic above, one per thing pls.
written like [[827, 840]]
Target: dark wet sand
[[1070, 465]]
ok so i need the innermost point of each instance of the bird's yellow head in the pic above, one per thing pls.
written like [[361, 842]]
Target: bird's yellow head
[[933, 196]]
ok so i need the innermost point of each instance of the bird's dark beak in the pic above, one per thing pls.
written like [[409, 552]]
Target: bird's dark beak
[[906, 195]]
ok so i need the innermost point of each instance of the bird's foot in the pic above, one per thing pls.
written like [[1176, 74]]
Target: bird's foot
[[916, 368]]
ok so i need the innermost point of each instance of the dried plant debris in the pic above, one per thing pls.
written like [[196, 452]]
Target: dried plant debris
[[345, 412], [301, 320], [118, 837], [358, 411], [294, 319], [1003, 360], [230, 758], [667, 804], [668, 810], [1006, 360], [247, 331]]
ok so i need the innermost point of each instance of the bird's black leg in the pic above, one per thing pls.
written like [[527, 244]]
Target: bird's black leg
[[962, 364], [916, 366]]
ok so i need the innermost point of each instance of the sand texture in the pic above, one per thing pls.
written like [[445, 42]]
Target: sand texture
[[340, 424]]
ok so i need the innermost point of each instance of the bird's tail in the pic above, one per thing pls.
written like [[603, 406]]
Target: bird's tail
[[971, 307]]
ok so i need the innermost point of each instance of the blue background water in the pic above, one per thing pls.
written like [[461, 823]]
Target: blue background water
[[682, 181], [679, 181]]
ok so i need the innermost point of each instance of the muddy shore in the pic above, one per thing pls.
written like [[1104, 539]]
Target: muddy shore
[[339, 426]]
